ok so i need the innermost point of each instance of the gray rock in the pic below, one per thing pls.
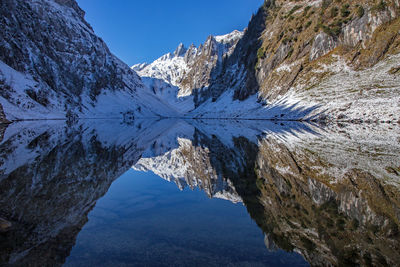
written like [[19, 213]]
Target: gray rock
[[323, 43]]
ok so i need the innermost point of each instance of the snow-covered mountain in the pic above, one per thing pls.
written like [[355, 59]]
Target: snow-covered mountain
[[190, 68], [52, 65]]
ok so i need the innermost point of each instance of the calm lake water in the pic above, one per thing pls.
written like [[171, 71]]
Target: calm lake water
[[199, 193]]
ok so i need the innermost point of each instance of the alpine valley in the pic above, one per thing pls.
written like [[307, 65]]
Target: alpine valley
[[277, 144], [296, 60]]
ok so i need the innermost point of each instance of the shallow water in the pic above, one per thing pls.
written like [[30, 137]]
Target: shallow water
[[184, 192]]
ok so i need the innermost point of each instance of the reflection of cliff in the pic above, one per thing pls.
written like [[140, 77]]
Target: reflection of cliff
[[51, 177], [344, 218], [332, 196], [190, 166], [305, 199]]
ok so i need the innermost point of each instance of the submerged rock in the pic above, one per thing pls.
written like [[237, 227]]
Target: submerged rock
[[4, 225]]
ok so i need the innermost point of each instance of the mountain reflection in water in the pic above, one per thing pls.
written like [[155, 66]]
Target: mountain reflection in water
[[330, 194]]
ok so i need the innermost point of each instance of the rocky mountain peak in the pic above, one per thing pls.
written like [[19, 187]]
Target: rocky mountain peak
[[180, 50], [191, 68], [230, 37], [210, 46], [190, 53]]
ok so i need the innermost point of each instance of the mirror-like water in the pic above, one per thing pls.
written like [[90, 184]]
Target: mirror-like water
[[147, 221], [175, 192]]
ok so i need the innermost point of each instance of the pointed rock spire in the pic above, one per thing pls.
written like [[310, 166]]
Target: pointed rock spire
[[180, 51], [190, 53]]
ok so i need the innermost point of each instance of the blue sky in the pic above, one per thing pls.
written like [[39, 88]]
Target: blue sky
[[142, 30]]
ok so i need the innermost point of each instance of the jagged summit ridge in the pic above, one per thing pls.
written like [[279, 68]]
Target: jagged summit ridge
[[180, 50], [189, 68], [230, 37]]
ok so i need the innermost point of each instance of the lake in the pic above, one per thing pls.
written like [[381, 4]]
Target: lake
[[174, 192]]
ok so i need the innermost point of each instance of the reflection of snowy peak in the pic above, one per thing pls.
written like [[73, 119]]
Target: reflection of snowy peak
[[190, 166], [190, 68]]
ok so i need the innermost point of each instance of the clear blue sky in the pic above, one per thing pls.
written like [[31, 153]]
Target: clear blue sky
[[142, 30]]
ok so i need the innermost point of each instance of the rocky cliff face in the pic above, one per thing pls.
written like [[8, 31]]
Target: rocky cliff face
[[237, 70], [320, 55], [2, 116], [52, 65]]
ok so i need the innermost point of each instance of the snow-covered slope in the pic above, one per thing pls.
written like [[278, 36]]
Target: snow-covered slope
[[52, 65], [168, 93], [365, 95]]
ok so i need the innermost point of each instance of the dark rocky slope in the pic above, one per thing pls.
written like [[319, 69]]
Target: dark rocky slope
[[52, 64]]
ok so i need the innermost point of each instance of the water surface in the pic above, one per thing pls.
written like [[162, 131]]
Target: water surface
[[144, 220], [176, 192]]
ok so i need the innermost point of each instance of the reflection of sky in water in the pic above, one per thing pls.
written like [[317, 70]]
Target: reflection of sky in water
[[144, 220]]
